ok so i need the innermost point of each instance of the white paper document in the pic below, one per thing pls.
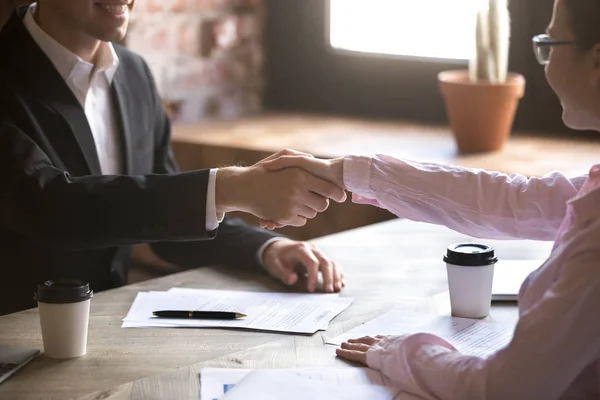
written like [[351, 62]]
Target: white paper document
[[279, 312], [469, 336], [240, 296], [278, 385], [292, 384], [277, 295], [242, 293]]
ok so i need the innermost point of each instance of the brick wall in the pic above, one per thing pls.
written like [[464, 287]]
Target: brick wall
[[206, 55]]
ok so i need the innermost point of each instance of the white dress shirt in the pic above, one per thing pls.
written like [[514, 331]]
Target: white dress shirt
[[91, 85]]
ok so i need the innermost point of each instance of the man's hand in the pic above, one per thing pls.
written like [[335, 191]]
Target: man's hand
[[285, 259], [331, 170], [289, 196]]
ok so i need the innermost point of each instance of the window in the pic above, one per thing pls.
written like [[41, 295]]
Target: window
[[419, 28], [320, 57]]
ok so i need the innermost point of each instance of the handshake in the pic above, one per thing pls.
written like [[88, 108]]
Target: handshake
[[286, 188]]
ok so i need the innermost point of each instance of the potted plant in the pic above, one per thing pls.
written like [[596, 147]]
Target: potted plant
[[481, 102]]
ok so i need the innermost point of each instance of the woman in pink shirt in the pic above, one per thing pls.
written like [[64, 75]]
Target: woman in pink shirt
[[555, 351]]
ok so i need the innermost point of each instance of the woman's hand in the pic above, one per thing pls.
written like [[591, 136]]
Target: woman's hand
[[356, 349]]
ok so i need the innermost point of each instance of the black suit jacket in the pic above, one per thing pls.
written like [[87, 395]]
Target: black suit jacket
[[59, 217]]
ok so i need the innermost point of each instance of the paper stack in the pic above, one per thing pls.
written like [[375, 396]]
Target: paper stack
[[277, 312], [469, 336], [292, 384]]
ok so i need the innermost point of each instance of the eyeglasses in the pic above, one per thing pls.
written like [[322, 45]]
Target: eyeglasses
[[542, 44]]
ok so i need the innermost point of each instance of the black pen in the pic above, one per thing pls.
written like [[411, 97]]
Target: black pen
[[198, 314]]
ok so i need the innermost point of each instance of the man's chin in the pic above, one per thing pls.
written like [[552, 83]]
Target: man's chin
[[116, 36]]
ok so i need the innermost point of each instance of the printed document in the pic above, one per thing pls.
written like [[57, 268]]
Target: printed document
[[292, 384], [469, 336], [278, 312]]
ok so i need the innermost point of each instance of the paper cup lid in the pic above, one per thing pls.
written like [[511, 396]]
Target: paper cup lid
[[63, 291], [470, 254]]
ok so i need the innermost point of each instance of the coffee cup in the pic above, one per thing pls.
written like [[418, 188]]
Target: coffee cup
[[64, 308], [470, 269]]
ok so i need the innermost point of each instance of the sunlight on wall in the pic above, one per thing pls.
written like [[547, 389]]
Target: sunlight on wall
[[422, 28]]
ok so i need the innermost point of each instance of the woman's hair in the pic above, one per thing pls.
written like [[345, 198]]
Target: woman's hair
[[585, 21]]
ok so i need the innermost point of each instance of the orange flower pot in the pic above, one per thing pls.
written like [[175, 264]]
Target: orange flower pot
[[480, 114]]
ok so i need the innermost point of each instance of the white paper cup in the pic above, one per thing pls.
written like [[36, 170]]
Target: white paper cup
[[470, 269], [64, 308]]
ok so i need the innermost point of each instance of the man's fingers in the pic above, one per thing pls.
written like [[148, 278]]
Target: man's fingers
[[307, 212], [270, 225], [285, 275], [285, 153], [326, 189], [338, 273], [326, 267], [352, 355], [299, 161], [328, 170], [292, 152], [298, 220], [338, 277], [315, 201], [305, 256]]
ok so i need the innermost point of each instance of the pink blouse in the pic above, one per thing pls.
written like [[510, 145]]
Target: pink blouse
[[555, 349]]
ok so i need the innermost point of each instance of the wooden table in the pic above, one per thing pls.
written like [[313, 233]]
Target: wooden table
[[391, 265]]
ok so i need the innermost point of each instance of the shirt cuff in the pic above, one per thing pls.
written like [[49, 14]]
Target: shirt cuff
[[389, 346], [212, 219], [261, 250], [374, 358], [357, 175]]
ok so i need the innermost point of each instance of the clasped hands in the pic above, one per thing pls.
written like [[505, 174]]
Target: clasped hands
[[315, 173], [287, 188]]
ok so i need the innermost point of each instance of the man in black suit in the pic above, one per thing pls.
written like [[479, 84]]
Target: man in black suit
[[88, 169]]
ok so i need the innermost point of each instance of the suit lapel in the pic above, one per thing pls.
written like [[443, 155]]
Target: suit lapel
[[120, 94], [75, 117], [34, 68]]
